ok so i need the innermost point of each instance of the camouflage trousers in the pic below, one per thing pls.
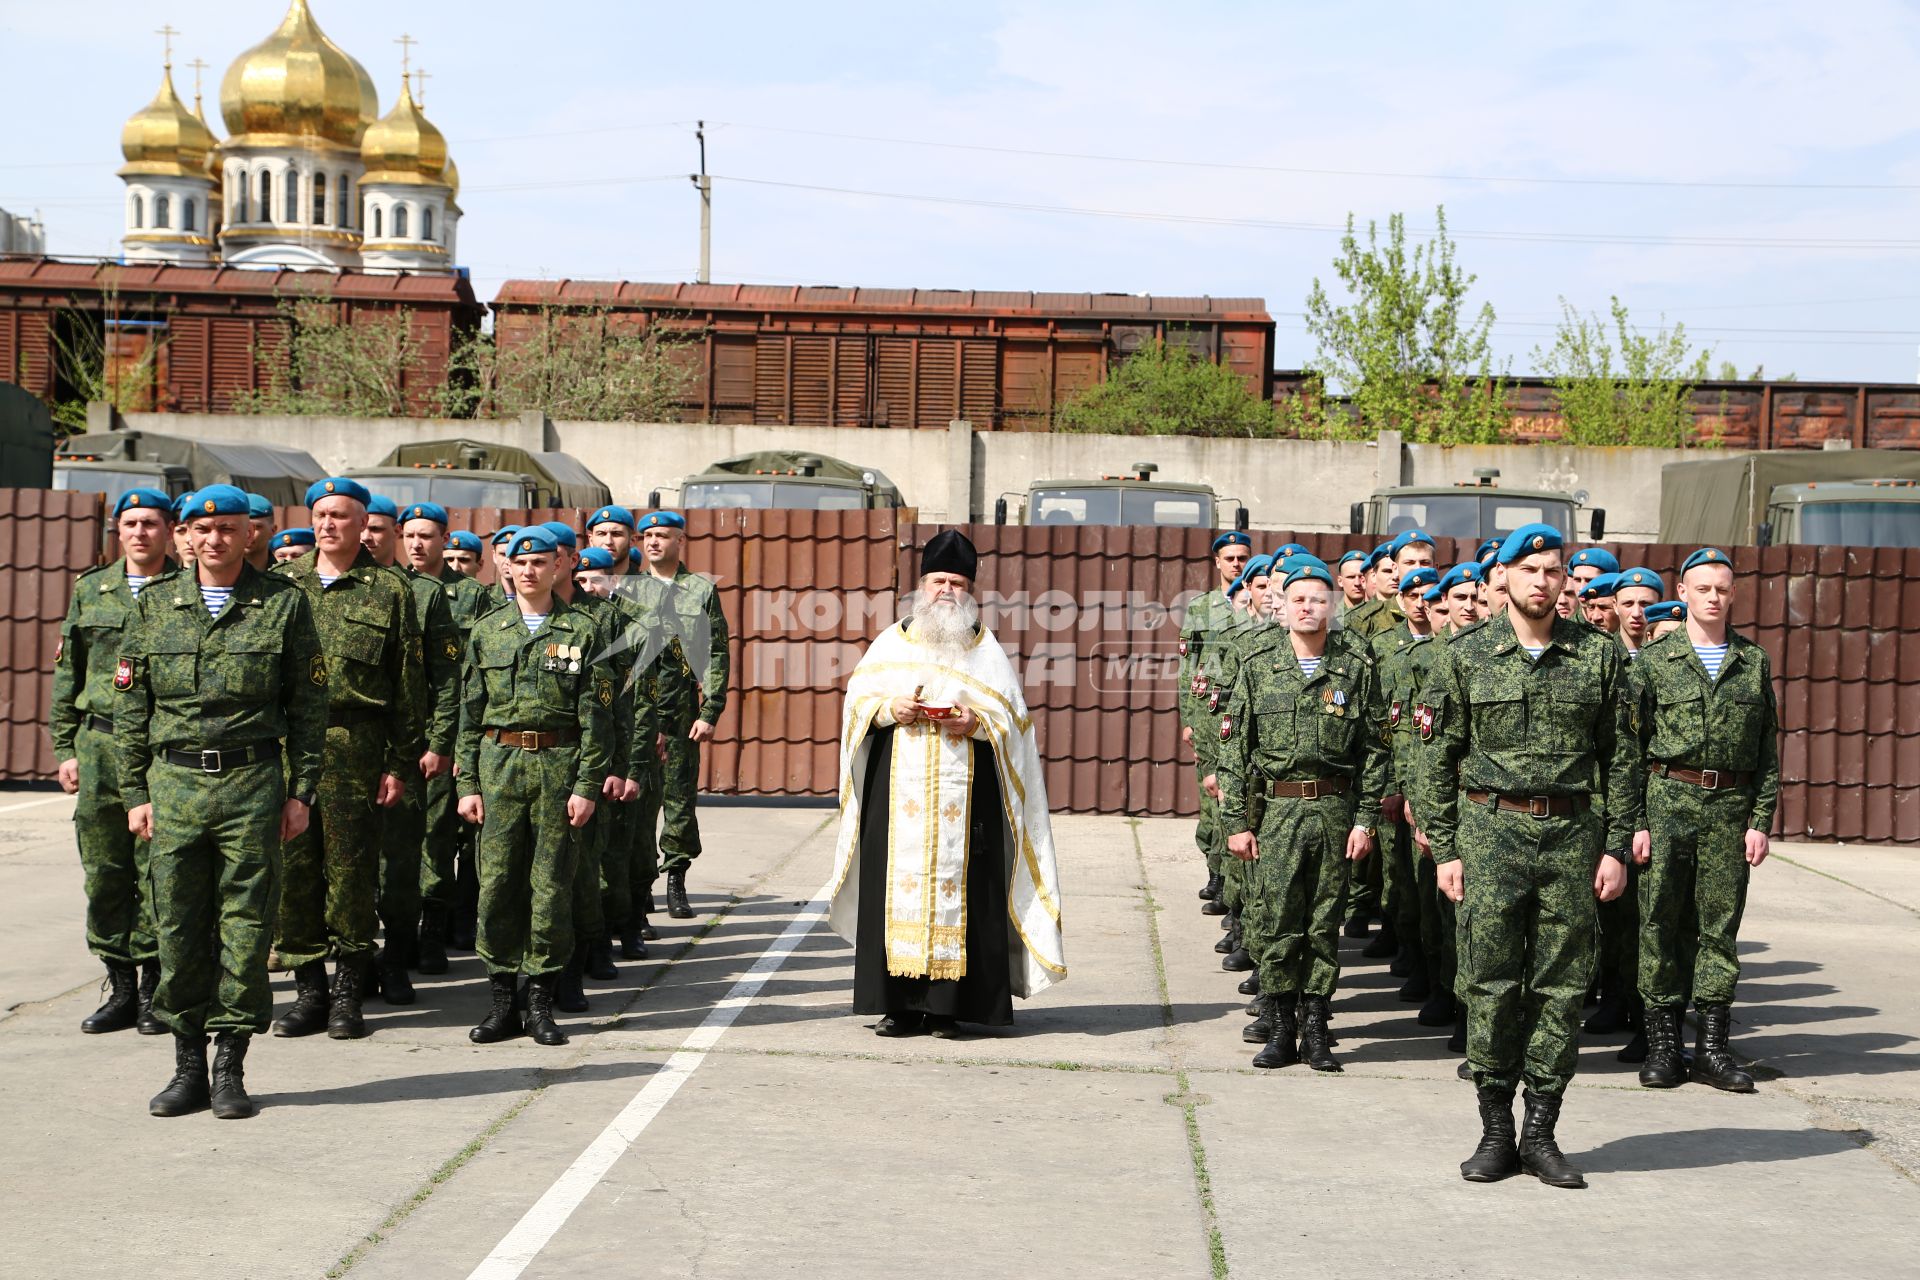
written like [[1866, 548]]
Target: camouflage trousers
[[212, 866], [1693, 892], [330, 874], [1399, 888], [527, 858], [440, 845], [1619, 960], [119, 901], [1236, 876], [403, 838], [1364, 888], [593, 843], [1292, 914], [1437, 927], [618, 908], [1527, 939], [1206, 833], [672, 793]]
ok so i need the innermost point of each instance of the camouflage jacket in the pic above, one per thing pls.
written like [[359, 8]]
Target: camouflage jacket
[[467, 598], [1382, 613], [1231, 646], [683, 642], [440, 650], [1678, 716], [1401, 658], [547, 681], [1493, 718], [255, 674], [89, 650], [1210, 619]]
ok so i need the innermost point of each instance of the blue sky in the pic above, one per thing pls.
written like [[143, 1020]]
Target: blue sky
[[1702, 161]]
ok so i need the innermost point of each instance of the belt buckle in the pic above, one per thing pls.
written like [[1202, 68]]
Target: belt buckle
[[1539, 806], [1710, 779], [1310, 790], [214, 757], [529, 739]]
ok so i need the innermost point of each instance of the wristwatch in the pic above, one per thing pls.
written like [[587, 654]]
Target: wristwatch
[[308, 800]]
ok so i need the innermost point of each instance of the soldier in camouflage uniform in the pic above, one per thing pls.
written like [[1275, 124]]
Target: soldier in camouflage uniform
[[219, 666], [1351, 572], [1391, 717], [684, 648], [1298, 738], [463, 551], [533, 761], [1249, 597], [376, 739], [1208, 618], [119, 903], [1526, 787], [1383, 576], [1704, 722]]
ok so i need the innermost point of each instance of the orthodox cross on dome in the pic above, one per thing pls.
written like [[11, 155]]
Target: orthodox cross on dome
[[198, 65], [420, 79], [167, 33], [406, 43]]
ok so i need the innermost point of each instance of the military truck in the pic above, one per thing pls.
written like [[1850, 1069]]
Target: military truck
[[1847, 497], [1137, 499], [477, 473], [111, 462], [26, 440], [782, 480], [1476, 511]]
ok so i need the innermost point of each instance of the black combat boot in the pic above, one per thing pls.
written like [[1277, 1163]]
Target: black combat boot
[[1457, 1042], [1229, 927], [1418, 988], [433, 938], [1713, 1061], [309, 1012], [187, 1091], [1280, 1050], [1496, 1157], [230, 1100], [501, 1022], [1249, 985], [396, 984], [1213, 907], [1254, 1008], [1237, 960], [1315, 1039], [600, 961], [1211, 890], [633, 945], [540, 1024], [121, 1009], [1257, 1031], [344, 1021], [1539, 1153], [568, 995], [1636, 1049], [677, 896], [1358, 925], [147, 1024], [1385, 944], [1611, 1015], [647, 930], [1663, 1068], [1439, 1010]]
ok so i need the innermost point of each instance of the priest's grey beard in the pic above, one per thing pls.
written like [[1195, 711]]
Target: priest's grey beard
[[946, 626]]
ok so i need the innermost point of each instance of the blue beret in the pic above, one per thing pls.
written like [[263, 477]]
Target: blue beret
[[143, 500], [633, 555], [505, 534], [379, 504], [596, 558], [1414, 579], [1300, 559], [1233, 538], [1600, 588], [302, 537], [1303, 572], [1461, 574], [1598, 557], [1258, 567], [563, 535], [461, 540], [338, 487], [180, 506], [258, 507], [1379, 553], [1667, 611], [427, 511], [672, 520], [1705, 555], [1408, 537], [1526, 540], [1432, 594], [1646, 578], [1487, 548], [612, 513], [218, 500], [532, 541], [1355, 554], [1289, 549]]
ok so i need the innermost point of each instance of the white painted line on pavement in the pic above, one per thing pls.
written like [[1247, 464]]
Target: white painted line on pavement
[[518, 1248], [32, 804]]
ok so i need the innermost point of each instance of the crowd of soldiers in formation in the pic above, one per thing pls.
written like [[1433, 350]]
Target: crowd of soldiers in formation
[[334, 743], [1547, 782]]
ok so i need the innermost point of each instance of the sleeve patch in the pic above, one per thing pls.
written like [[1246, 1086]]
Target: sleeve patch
[[123, 674], [1226, 727], [318, 672]]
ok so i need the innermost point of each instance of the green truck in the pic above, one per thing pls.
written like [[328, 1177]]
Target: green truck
[[26, 440], [1138, 499], [1476, 511], [111, 462], [776, 479], [1782, 497], [477, 473]]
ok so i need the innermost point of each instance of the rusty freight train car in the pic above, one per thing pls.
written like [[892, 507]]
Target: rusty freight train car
[[197, 337], [838, 357]]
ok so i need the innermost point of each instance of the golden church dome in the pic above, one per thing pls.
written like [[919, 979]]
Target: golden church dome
[[451, 176], [165, 139], [298, 83], [404, 147]]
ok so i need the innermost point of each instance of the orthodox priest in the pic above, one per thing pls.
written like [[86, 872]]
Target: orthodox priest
[[945, 879]]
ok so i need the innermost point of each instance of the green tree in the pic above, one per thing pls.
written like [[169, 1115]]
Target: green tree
[[327, 364], [1404, 352], [576, 363], [1619, 386], [1166, 389], [84, 369]]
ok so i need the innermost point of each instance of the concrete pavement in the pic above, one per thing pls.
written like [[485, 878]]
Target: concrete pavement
[[1117, 1130]]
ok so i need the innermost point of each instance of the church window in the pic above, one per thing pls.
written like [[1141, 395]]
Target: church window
[[139, 212], [399, 222], [426, 224], [266, 196], [293, 196], [162, 215], [374, 215], [319, 199], [186, 215], [238, 213], [344, 203]]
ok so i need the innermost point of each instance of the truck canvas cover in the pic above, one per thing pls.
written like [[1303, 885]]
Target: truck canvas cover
[[275, 472], [1721, 500], [566, 475]]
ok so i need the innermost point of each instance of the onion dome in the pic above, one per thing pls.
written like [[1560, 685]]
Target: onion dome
[[451, 176], [298, 83], [404, 147], [164, 139]]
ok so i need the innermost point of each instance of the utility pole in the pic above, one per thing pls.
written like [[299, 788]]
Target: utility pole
[[705, 184]]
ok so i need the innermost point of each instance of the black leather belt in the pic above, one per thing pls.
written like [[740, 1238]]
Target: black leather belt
[[223, 760], [99, 724], [341, 717]]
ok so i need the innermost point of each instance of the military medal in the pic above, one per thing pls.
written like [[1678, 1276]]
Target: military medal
[[549, 664], [1226, 727], [573, 659]]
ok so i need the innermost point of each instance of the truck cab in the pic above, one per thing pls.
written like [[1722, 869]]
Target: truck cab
[[1473, 512], [1848, 513], [782, 480], [476, 473], [1138, 499], [111, 462]]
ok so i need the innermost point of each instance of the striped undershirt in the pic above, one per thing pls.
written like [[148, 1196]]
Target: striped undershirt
[[327, 579], [215, 598], [533, 621], [1712, 657], [1309, 667], [135, 581], [1534, 649]]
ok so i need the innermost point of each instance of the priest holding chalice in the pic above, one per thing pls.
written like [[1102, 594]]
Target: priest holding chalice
[[944, 879]]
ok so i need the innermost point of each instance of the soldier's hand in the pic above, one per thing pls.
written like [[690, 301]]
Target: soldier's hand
[[1211, 785], [660, 747], [1359, 844], [629, 790], [70, 776], [472, 809], [1186, 735], [1420, 841], [1642, 847], [612, 787], [433, 764], [140, 821], [905, 711], [391, 789], [1609, 879], [293, 819], [1452, 879], [701, 731], [579, 811], [1759, 845], [1244, 847]]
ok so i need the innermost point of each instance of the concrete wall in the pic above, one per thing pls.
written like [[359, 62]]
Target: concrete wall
[[341, 443], [1624, 481]]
